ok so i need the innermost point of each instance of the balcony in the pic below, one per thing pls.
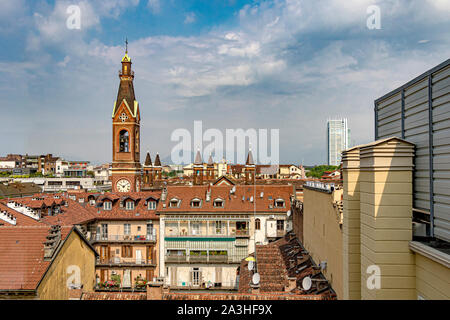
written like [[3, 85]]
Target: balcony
[[118, 261], [210, 259], [176, 259], [242, 233], [122, 238]]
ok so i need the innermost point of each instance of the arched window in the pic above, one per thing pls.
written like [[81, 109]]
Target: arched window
[[124, 140], [257, 224]]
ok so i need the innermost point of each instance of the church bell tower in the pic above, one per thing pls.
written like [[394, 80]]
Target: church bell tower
[[126, 166]]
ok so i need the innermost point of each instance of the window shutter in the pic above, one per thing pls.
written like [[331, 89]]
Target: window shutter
[[123, 252]]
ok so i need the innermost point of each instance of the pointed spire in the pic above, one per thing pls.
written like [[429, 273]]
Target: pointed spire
[[210, 160], [148, 160], [250, 161], [198, 158], [157, 160]]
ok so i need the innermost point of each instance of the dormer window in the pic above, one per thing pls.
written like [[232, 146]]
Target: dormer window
[[129, 205], [173, 203], [92, 202], [107, 205], [196, 203], [279, 203], [151, 205], [218, 203]]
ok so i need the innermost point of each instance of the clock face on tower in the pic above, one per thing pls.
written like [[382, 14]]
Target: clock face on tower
[[123, 185]]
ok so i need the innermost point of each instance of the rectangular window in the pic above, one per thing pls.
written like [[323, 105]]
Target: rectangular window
[[195, 228], [280, 225], [219, 227], [126, 229], [151, 205], [130, 205], [127, 252], [195, 276], [104, 231], [107, 205]]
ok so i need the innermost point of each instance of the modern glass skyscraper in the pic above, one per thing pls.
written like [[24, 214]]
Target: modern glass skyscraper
[[338, 139]]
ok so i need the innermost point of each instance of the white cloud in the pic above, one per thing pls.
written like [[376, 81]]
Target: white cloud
[[190, 17], [288, 65]]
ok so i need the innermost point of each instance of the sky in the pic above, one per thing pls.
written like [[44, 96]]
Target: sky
[[273, 64]]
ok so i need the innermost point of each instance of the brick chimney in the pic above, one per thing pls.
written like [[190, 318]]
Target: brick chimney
[[154, 291]]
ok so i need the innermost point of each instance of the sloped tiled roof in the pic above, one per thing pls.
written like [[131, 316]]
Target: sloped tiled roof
[[22, 263], [232, 202], [21, 219], [280, 260], [140, 211]]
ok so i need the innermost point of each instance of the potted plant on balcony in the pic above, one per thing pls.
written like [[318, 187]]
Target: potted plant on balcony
[[140, 282], [114, 283]]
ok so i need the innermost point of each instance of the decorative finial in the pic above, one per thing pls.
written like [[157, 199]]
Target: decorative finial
[[126, 45]]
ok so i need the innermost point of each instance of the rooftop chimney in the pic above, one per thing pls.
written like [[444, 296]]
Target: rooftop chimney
[[52, 242]]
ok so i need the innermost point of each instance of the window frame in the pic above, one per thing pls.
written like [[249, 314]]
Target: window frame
[[107, 205]]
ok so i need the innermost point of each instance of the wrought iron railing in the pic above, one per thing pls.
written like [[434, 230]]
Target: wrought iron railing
[[125, 261], [122, 237]]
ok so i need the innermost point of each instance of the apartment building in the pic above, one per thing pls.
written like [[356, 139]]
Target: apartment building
[[206, 230], [125, 234]]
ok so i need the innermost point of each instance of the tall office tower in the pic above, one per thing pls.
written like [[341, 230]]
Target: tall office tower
[[338, 140]]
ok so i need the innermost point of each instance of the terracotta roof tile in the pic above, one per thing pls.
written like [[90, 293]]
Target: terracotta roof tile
[[239, 201], [22, 263]]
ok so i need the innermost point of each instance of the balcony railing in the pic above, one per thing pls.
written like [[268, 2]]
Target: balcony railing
[[242, 233], [122, 238], [125, 261], [280, 233], [233, 233], [203, 259]]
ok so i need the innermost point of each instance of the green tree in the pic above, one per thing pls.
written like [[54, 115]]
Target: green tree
[[318, 171]]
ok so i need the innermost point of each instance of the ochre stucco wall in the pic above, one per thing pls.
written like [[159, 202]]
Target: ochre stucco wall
[[322, 235], [432, 279], [74, 252]]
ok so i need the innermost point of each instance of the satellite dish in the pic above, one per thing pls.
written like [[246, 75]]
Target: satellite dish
[[250, 265], [289, 213], [256, 278], [306, 283]]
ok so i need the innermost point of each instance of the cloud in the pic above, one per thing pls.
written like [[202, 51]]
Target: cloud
[[190, 17], [283, 64]]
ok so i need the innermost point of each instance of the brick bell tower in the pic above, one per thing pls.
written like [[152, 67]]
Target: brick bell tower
[[126, 166]]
